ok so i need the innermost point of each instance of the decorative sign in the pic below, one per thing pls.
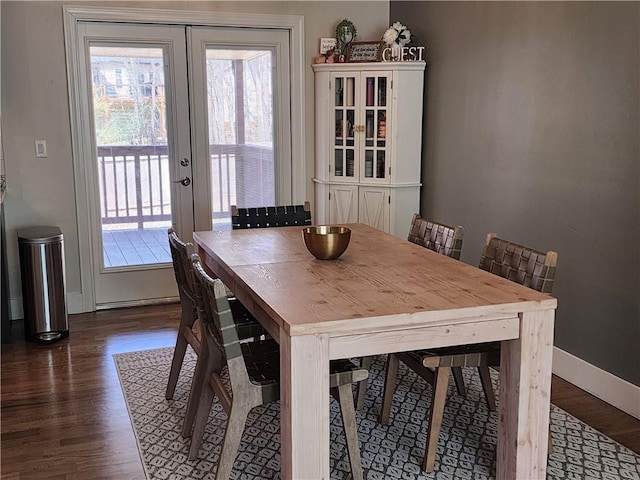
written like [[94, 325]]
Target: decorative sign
[[402, 54], [327, 44], [364, 51]]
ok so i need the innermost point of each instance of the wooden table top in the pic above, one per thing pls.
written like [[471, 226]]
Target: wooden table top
[[380, 280]]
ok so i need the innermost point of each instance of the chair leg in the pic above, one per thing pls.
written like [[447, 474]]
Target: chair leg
[[232, 437], [345, 397], [389, 388], [459, 380], [176, 365], [204, 403], [199, 389], [438, 399], [365, 362], [487, 386]]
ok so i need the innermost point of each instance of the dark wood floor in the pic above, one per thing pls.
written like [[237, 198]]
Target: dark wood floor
[[63, 415]]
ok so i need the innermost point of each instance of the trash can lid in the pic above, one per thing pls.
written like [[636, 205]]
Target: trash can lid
[[39, 234]]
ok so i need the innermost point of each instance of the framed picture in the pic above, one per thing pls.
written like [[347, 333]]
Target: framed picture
[[364, 51], [327, 44]]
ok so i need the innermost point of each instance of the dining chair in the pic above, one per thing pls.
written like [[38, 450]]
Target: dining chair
[[275, 216], [526, 266], [440, 238], [189, 330], [190, 326], [253, 377], [284, 216]]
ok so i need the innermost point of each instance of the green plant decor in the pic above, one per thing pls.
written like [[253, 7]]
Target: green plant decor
[[345, 34]]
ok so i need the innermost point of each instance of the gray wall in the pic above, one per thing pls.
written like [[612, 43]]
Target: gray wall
[[532, 131]]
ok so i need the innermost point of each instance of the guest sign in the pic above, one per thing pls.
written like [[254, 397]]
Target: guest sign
[[364, 51], [402, 54]]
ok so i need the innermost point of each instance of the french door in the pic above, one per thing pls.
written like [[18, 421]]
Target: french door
[[183, 122]]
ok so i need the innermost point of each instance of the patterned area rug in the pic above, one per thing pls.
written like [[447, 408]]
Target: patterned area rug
[[466, 449]]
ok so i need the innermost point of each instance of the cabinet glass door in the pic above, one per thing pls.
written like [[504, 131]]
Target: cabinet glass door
[[375, 128], [344, 150]]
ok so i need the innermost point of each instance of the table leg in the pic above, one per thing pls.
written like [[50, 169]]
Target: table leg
[[525, 392], [304, 406]]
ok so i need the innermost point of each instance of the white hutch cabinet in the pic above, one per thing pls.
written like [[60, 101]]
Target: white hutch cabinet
[[368, 143]]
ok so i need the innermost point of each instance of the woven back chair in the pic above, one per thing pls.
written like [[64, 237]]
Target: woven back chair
[[440, 238], [523, 265], [265, 217], [253, 374], [190, 328], [435, 236]]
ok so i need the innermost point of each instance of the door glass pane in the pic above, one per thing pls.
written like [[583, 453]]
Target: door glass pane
[[339, 92], [382, 91], [129, 111], [380, 170], [344, 117], [339, 166], [348, 128], [241, 131], [369, 130], [370, 91], [349, 95], [382, 127], [368, 163], [350, 168], [339, 138]]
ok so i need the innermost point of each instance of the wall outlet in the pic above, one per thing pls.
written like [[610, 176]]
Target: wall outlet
[[41, 148]]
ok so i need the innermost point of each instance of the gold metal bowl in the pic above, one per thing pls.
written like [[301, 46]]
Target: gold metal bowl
[[326, 242]]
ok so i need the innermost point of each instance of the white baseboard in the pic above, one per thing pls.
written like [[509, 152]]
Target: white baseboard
[[600, 383], [75, 304]]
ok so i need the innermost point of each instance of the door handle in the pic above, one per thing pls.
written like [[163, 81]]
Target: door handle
[[186, 181]]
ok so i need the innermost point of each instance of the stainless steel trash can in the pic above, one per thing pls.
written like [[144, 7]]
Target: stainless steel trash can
[[43, 283]]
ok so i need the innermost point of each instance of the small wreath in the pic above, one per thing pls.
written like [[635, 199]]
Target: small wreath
[[345, 34]]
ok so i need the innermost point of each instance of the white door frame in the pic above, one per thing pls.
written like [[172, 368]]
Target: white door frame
[[80, 150]]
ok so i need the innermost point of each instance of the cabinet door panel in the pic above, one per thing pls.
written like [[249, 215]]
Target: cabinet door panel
[[374, 207], [376, 90], [344, 204], [345, 118]]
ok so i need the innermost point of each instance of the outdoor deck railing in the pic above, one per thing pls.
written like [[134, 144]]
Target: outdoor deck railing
[[135, 181]]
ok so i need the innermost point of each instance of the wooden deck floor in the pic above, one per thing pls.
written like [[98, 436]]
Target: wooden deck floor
[[135, 247], [146, 246]]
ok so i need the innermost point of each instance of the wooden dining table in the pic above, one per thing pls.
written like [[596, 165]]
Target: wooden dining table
[[383, 295]]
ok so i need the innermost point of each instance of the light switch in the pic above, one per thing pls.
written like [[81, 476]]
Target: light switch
[[41, 149]]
